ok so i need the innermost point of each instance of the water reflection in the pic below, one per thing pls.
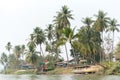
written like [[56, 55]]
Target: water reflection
[[58, 77]]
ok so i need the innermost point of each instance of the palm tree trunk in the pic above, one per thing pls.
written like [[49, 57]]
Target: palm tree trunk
[[51, 46], [41, 50], [113, 43], [112, 46], [73, 52], [9, 52], [101, 47], [57, 56], [42, 55], [66, 53]]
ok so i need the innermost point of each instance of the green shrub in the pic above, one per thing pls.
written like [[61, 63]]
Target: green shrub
[[115, 69]]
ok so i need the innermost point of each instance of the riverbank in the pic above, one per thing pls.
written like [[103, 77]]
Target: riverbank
[[58, 70], [96, 69], [51, 72]]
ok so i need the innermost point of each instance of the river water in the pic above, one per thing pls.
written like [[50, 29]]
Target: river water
[[58, 77]]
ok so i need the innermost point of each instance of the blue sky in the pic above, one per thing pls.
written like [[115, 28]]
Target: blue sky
[[19, 17]]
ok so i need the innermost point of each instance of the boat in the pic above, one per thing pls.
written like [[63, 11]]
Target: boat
[[89, 69]]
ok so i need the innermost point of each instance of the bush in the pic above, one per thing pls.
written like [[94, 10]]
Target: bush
[[114, 68]]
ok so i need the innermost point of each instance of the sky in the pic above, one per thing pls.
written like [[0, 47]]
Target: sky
[[18, 18]]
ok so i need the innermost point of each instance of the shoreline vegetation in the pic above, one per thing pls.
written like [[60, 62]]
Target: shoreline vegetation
[[91, 44]]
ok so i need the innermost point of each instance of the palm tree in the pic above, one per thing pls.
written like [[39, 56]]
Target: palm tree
[[88, 22], [4, 60], [64, 16], [50, 35], [17, 51], [88, 42], [39, 37], [32, 58], [62, 20], [68, 35], [49, 32], [102, 21], [22, 50], [113, 28], [31, 44], [8, 47], [48, 47], [101, 24], [12, 62]]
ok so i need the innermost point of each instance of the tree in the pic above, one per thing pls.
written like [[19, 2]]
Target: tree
[[22, 50], [88, 43], [32, 58], [8, 47], [17, 52], [67, 36], [12, 62], [50, 36], [101, 24], [4, 60], [39, 37], [113, 27], [108, 47], [64, 15], [102, 21], [48, 47], [49, 32], [31, 44], [31, 55], [62, 20]]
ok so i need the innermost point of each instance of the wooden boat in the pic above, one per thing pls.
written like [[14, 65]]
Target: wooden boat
[[86, 69]]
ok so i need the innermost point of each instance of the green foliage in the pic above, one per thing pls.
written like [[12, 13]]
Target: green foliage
[[111, 67], [107, 64], [32, 58], [12, 62], [114, 69], [3, 59]]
